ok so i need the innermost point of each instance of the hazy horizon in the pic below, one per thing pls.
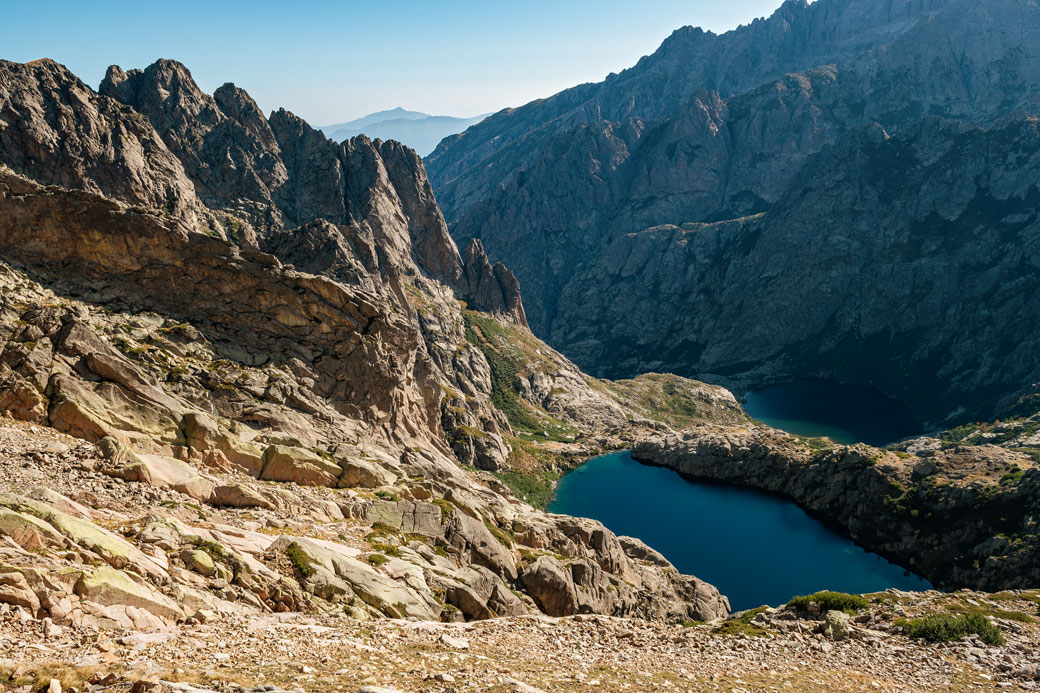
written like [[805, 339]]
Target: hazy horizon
[[334, 62]]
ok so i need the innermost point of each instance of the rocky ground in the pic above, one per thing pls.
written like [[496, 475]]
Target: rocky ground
[[778, 650], [219, 641]]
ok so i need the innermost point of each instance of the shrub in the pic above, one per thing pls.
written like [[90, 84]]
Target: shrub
[[831, 601], [300, 560], [945, 627]]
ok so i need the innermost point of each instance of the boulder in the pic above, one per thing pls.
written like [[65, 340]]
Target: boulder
[[410, 517], [109, 587], [167, 472], [14, 589], [115, 550], [28, 531], [478, 593], [203, 433], [300, 466], [836, 625], [470, 537], [199, 561], [637, 550], [375, 589], [364, 473], [240, 496], [550, 585]]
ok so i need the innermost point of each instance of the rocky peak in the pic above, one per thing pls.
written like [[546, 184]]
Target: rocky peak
[[433, 246], [228, 151], [58, 131], [493, 289], [238, 105]]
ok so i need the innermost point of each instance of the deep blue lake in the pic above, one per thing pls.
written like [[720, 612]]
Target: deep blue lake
[[843, 413], [756, 548]]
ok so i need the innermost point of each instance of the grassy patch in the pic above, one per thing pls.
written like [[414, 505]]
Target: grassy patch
[[300, 560], [487, 334], [831, 601], [946, 627], [535, 488], [994, 612], [446, 507], [377, 559], [743, 624], [500, 534]]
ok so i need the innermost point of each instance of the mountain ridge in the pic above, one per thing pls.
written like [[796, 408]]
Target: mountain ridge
[[712, 155]]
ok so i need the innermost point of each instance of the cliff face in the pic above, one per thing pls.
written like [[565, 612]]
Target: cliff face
[[907, 261], [722, 143], [239, 314], [961, 515]]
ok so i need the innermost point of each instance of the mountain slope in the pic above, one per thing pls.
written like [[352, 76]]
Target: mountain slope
[[558, 189], [334, 355]]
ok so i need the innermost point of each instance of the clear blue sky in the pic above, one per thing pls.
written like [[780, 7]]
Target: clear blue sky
[[334, 61]]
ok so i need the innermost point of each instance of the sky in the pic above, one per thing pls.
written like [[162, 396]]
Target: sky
[[334, 61]]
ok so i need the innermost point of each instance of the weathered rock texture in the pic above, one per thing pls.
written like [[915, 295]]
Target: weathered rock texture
[[960, 515], [297, 335], [888, 146]]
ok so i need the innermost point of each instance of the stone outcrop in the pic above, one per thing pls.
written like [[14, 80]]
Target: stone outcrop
[[55, 129], [960, 516]]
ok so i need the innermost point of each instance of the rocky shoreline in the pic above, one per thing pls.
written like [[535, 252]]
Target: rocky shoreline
[[960, 517]]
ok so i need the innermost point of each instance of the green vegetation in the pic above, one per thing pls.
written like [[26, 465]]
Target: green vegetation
[[945, 627], [482, 332], [377, 559], [503, 537], [993, 612], [446, 507], [742, 625], [831, 601], [300, 560], [504, 350], [535, 488], [1012, 477], [215, 550]]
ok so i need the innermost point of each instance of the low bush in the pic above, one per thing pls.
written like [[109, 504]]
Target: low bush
[[831, 601], [945, 627]]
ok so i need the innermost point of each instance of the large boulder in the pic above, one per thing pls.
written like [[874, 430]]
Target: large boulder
[[364, 473], [478, 593], [374, 588], [300, 466], [410, 517], [108, 587], [549, 583], [472, 539], [203, 434]]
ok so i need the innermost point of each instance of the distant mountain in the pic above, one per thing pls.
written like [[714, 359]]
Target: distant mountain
[[420, 131], [674, 217]]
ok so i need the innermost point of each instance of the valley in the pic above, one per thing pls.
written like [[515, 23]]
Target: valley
[[717, 374]]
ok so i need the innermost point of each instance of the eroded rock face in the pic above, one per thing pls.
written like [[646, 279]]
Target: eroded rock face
[[945, 513], [224, 360], [56, 130], [948, 229], [621, 274]]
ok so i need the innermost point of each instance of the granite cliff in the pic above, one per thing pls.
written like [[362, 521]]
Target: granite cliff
[[702, 177]]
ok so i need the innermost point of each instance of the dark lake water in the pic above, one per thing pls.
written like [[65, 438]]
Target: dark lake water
[[756, 548], [843, 413]]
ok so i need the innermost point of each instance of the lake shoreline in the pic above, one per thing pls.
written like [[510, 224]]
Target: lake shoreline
[[726, 534]]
